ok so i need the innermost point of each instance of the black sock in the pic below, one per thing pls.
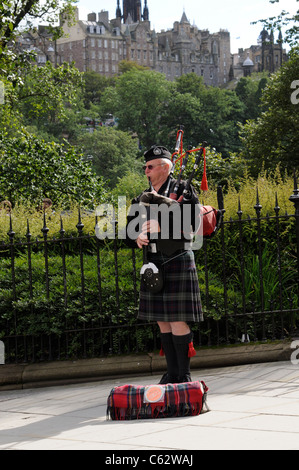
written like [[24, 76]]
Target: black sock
[[170, 354], [181, 344]]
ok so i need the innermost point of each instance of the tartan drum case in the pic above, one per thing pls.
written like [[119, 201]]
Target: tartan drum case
[[129, 402]]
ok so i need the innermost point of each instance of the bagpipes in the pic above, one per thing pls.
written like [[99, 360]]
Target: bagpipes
[[211, 218]]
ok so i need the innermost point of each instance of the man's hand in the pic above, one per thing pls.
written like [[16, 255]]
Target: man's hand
[[142, 240], [151, 226]]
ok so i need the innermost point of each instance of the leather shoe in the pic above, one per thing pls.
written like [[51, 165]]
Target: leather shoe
[[168, 379], [184, 378]]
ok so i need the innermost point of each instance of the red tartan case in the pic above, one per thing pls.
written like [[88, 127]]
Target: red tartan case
[[128, 402]]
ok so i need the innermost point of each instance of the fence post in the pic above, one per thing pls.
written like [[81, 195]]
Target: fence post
[[294, 198]]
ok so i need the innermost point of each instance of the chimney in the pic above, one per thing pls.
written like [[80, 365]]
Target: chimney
[[104, 17], [92, 17]]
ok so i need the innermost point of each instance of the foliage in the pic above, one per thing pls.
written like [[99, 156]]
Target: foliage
[[47, 92], [284, 19], [127, 65], [45, 99], [130, 185], [110, 151], [137, 100], [51, 311], [267, 185], [273, 138], [17, 14], [217, 116], [95, 85], [249, 90], [32, 169]]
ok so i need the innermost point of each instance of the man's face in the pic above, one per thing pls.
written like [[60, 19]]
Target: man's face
[[156, 170]]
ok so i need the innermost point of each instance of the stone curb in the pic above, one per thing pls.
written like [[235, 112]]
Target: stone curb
[[24, 376]]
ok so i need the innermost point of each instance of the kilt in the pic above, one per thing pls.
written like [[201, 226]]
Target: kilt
[[179, 299]]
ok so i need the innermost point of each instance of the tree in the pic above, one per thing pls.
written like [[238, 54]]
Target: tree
[[138, 100], [47, 91], [219, 111], [112, 153], [190, 83], [127, 65], [249, 90], [95, 85], [17, 14], [291, 35], [182, 109], [31, 169], [273, 138]]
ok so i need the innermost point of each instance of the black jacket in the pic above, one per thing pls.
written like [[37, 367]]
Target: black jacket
[[179, 220]]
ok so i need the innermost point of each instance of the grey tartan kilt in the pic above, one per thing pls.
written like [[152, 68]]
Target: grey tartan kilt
[[180, 298]]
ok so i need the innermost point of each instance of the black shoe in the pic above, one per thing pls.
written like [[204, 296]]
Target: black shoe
[[184, 378], [168, 379]]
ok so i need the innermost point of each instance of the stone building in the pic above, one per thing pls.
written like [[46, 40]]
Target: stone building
[[266, 56], [185, 49], [100, 44]]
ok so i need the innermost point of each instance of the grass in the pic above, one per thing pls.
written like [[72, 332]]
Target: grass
[[268, 186]]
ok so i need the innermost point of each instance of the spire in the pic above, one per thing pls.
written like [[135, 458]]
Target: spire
[[118, 10], [145, 15], [184, 18], [132, 8], [280, 39]]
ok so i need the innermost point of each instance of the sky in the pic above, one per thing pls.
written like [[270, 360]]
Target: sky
[[232, 15]]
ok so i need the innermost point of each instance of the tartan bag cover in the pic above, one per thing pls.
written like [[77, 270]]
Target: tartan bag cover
[[128, 402]]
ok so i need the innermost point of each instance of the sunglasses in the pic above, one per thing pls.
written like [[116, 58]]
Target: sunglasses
[[151, 167]]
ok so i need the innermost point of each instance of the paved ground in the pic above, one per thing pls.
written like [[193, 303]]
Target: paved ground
[[251, 407]]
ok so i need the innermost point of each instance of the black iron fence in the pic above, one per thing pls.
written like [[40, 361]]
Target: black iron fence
[[74, 295]]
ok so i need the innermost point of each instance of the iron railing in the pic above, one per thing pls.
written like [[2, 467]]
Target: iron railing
[[77, 296]]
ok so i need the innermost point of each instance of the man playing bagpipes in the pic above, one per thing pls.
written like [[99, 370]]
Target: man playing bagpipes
[[169, 289]]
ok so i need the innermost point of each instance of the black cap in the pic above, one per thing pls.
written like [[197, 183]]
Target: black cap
[[157, 151]]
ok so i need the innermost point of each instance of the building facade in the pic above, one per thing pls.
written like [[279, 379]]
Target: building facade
[[266, 56], [100, 44]]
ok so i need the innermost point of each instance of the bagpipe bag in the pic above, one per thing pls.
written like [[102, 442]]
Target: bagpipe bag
[[129, 402]]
